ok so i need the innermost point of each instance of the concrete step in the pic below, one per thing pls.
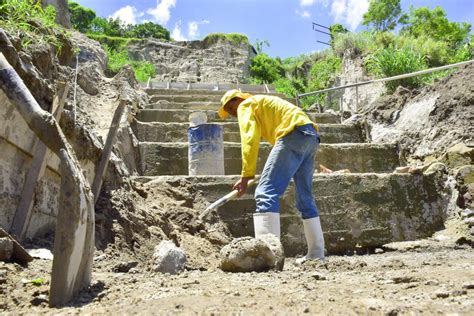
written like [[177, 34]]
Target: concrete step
[[168, 116], [181, 98], [195, 105], [177, 132], [358, 211], [172, 158], [192, 92]]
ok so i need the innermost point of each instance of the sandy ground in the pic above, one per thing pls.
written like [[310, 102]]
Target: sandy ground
[[428, 280]]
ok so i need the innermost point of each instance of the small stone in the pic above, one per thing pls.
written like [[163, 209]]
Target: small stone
[[379, 250], [40, 253], [318, 276], [467, 213], [169, 258], [6, 248], [459, 292], [468, 286], [124, 266], [441, 294], [306, 310], [469, 221], [38, 300]]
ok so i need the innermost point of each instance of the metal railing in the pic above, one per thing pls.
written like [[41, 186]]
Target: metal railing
[[357, 84]]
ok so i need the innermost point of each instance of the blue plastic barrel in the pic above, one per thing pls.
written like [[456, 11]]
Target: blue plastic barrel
[[206, 150]]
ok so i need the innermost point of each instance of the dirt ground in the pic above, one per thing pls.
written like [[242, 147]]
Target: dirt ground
[[428, 279]]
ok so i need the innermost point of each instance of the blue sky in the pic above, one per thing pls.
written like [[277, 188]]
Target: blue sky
[[285, 24]]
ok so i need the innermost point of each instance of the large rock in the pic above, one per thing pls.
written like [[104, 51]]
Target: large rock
[[219, 61], [459, 155], [168, 258], [247, 254]]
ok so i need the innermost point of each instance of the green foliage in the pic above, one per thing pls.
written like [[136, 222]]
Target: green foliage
[[335, 29], [290, 87], [109, 27], [118, 58], [113, 42], [263, 68], [81, 17], [322, 75], [390, 62], [235, 38], [434, 24], [147, 30], [32, 23], [356, 43], [19, 14], [384, 14], [37, 281]]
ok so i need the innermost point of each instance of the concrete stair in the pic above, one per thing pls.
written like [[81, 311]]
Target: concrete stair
[[359, 210], [178, 132], [165, 158]]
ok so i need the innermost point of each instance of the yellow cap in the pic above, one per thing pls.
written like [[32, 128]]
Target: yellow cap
[[229, 95]]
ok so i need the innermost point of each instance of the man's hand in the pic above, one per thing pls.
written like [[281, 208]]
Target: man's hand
[[242, 185]]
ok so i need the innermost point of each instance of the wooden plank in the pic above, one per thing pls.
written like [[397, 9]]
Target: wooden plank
[[23, 212], [109, 144]]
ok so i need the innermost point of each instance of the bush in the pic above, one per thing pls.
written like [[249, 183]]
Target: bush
[[390, 62], [357, 43], [235, 38], [119, 58], [113, 42], [263, 68], [289, 87]]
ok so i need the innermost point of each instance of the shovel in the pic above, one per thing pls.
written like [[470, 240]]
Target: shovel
[[226, 198]]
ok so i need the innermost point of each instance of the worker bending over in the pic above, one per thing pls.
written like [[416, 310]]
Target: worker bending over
[[295, 139]]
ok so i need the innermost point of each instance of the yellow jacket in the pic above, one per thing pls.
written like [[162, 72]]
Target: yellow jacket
[[268, 117]]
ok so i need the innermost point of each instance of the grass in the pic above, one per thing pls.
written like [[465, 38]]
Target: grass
[[118, 58], [235, 38]]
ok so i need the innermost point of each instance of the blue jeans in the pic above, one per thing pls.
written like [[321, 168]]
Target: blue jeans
[[291, 157]]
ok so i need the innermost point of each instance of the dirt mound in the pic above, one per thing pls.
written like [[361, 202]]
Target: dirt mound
[[132, 220]]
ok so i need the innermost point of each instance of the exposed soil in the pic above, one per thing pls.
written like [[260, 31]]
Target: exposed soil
[[423, 280]]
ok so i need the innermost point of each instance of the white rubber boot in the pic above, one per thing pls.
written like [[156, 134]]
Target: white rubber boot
[[314, 239], [266, 223]]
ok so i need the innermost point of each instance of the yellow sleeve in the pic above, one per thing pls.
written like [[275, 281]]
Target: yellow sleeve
[[250, 137]]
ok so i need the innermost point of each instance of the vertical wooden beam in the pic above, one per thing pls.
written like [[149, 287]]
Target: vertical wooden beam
[[22, 215], [109, 144]]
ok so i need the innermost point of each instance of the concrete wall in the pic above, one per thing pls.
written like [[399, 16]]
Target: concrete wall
[[16, 147]]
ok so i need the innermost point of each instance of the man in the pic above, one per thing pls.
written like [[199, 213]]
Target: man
[[295, 139]]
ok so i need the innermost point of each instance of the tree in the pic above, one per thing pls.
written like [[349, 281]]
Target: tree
[[81, 17], [265, 69], [148, 29], [434, 24], [384, 14], [110, 27], [335, 29]]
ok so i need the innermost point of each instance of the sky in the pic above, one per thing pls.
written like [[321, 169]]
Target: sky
[[286, 24]]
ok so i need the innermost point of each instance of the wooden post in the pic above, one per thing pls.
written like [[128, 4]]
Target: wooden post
[[109, 144], [74, 236], [35, 172]]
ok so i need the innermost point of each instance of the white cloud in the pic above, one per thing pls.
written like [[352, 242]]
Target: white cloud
[[176, 33], [193, 27], [308, 3], [127, 15], [349, 11], [162, 11], [304, 14]]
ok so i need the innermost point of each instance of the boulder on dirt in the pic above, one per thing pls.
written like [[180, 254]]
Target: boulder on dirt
[[277, 248], [247, 254], [168, 258], [6, 249]]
